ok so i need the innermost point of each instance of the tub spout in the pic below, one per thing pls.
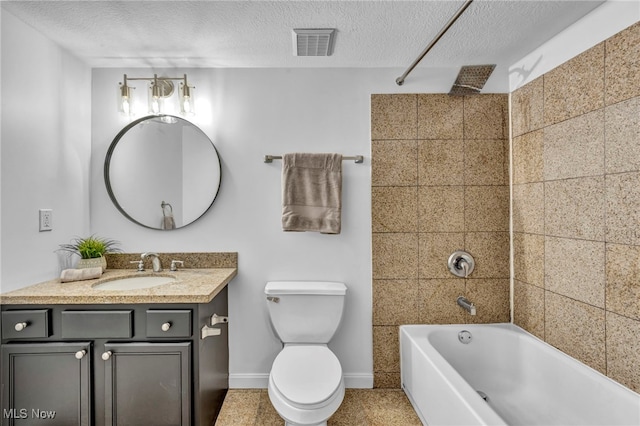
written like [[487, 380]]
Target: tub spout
[[466, 305]]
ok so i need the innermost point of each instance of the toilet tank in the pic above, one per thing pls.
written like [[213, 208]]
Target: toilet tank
[[305, 311]]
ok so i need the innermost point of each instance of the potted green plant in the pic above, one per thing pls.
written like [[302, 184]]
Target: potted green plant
[[91, 251]]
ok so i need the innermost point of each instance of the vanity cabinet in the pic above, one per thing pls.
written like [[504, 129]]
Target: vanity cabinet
[[103, 365], [48, 381], [154, 375]]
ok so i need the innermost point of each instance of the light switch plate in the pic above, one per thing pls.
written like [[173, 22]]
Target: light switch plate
[[46, 220]]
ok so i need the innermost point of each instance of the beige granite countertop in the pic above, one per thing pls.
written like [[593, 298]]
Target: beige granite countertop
[[191, 286]]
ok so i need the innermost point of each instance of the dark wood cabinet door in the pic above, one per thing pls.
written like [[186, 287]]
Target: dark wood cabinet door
[[147, 384], [46, 383]]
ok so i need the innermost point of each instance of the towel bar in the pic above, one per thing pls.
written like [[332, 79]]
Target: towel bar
[[358, 159]]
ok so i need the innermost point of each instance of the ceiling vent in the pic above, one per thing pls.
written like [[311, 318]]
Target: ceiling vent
[[313, 41]]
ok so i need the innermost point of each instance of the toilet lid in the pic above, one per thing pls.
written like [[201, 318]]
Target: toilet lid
[[306, 374]]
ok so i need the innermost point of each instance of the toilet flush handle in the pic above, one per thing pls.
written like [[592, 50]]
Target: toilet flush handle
[[273, 299]]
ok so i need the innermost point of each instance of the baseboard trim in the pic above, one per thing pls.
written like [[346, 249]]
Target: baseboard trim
[[358, 381], [248, 381], [261, 381]]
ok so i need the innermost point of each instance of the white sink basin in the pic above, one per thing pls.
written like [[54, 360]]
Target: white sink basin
[[134, 283]]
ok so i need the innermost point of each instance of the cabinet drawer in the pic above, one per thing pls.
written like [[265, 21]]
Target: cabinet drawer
[[25, 324], [168, 323], [97, 324]]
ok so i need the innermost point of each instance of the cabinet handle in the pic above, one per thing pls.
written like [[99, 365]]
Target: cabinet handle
[[217, 319], [20, 326], [106, 355], [166, 326], [81, 354], [207, 331]]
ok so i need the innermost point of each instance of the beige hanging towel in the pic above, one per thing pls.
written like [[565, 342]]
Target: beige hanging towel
[[312, 192]]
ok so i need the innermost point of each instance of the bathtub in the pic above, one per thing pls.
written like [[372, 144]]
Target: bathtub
[[498, 374]]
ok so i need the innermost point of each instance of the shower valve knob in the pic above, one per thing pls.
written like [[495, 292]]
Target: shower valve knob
[[461, 264]]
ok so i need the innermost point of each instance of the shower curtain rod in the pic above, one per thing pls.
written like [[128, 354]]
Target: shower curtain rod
[[400, 80]]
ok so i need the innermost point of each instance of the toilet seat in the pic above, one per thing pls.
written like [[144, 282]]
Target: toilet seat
[[307, 376]]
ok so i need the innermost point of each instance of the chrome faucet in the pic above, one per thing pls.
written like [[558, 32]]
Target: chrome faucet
[[155, 260], [466, 305]]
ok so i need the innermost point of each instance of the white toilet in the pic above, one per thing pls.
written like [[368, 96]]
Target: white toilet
[[305, 384]]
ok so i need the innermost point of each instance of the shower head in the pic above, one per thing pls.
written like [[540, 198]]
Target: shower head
[[471, 79]]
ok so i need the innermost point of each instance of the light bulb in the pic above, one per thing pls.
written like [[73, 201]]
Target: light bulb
[[155, 106], [187, 106], [155, 99], [125, 104]]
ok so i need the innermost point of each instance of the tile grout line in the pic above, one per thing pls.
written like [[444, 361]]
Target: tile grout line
[[511, 231], [418, 308], [604, 183]]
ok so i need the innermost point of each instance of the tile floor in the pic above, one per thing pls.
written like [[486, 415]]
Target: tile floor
[[361, 407]]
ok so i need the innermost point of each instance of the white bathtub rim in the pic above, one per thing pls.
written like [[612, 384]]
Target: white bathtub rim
[[464, 390], [518, 329], [466, 394]]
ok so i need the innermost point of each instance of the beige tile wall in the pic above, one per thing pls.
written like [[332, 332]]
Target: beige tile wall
[[439, 183], [576, 207]]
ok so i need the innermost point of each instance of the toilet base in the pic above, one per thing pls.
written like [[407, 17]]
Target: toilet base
[[294, 416]]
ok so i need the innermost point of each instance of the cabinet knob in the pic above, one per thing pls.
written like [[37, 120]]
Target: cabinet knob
[[81, 354], [166, 326], [106, 355], [20, 326]]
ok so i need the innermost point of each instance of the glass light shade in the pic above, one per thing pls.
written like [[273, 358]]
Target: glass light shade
[[125, 100], [156, 100], [187, 104]]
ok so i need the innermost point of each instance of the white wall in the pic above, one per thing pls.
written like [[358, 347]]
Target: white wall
[[249, 113], [46, 146], [603, 22]]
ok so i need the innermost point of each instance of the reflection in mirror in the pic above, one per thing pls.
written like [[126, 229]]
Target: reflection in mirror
[[162, 172]]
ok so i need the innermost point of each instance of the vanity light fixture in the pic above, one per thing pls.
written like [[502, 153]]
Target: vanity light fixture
[[158, 91], [160, 88], [186, 98], [124, 104]]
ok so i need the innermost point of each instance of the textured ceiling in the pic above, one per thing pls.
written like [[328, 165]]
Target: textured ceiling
[[259, 33]]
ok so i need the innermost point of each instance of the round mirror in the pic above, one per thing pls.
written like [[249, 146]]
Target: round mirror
[[162, 172]]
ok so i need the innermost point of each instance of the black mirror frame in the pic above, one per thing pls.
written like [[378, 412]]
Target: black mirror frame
[[107, 163]]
